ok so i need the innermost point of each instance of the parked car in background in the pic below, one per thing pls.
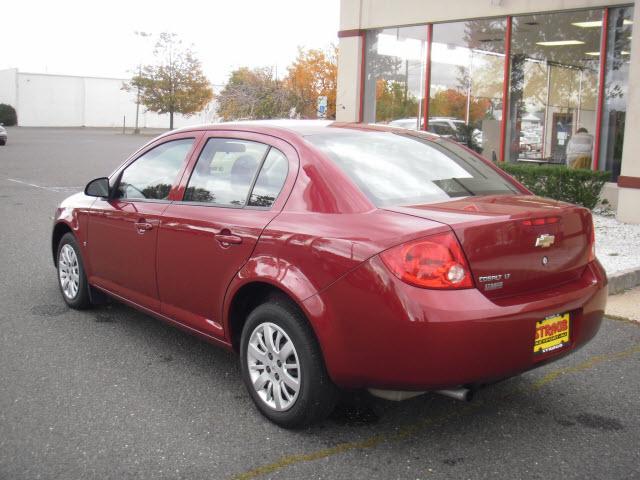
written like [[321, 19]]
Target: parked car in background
[[447, 127], [334, 256], [3, 135]]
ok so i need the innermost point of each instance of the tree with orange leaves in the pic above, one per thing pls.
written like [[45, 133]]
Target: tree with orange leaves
[[313, 74]]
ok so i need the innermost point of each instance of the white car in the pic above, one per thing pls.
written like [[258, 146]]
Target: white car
[[3, 135]]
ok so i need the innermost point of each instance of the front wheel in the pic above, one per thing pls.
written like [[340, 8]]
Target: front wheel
[[71, 277], [282, 366]]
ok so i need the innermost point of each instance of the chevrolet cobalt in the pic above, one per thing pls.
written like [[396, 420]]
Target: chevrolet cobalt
[[336, 256]]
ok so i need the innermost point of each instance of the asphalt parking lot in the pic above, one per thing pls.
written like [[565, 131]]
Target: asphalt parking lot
[[112, 393]]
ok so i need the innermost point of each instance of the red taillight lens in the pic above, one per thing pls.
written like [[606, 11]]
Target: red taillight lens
[[592, 242], [540, 221], [436, 261]]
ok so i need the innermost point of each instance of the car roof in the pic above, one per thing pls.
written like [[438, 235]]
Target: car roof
[[302, 128]]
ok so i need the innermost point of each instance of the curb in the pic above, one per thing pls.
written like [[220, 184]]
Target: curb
[[624, 280]]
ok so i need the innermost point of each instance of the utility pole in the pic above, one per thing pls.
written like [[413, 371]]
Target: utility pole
[[136, 130]]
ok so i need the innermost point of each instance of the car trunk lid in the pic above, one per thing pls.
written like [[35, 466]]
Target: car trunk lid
[[515, 243]]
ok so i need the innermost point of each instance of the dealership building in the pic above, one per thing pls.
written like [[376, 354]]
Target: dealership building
[[528, 81]]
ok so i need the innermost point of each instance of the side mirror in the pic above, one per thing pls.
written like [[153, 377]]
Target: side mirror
[[98, 187]]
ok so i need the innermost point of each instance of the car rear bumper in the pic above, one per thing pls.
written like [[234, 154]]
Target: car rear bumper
[[376, 331]]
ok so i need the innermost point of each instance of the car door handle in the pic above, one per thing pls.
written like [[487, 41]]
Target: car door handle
[[143, 226], [227, 239]]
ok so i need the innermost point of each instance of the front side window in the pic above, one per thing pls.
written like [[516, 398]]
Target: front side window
[[225, 171], [152, 175], [395, 169]]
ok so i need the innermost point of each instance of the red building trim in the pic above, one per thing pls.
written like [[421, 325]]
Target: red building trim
[[603, 60], [427, 78], [628, 182], [356, 32], [505, 89], [363, 40]]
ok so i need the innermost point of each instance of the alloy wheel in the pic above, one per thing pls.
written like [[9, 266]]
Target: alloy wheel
[[274, 367], [69, 271]]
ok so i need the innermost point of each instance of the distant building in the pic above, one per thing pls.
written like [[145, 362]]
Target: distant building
[[47, 100], [517, 77]]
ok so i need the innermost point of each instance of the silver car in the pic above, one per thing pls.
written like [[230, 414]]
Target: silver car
[[3, 135]]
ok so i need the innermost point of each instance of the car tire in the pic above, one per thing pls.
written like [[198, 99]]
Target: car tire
[[71, 275], [3, 142], [274, 394]]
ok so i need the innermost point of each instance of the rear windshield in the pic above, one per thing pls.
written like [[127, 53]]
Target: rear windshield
[[395, 169]]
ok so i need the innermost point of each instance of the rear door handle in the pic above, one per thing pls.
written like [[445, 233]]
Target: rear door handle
[[226, 238], [143, 226]]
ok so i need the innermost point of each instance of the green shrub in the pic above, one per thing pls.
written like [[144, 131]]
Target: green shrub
[[8, 115], [559, 182]]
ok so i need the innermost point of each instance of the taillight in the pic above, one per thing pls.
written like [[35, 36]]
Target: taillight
[[541, 221], [592, 241], [436, 261]]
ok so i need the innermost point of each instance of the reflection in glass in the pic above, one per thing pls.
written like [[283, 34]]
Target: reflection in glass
[[270, 180], [398, 169], [152, 175], [224, 172], [394, 76], [467, 73], [615, 89], [554, 85]]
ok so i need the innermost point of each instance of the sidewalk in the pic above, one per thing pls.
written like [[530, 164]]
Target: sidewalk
[[618, 249], [625, 305]]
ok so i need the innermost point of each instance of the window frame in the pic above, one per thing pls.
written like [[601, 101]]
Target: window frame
[[116, 177], [270, 142]]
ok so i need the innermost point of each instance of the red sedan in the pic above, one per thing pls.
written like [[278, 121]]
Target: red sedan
[[336, 256]]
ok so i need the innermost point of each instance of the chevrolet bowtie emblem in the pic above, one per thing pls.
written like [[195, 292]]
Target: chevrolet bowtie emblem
[[545, 240]]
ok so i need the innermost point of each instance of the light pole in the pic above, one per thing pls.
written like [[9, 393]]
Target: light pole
[[136, 130]]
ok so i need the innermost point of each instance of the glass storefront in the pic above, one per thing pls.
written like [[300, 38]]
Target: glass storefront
[[615, 99], [467, 78], [395, 71], [554, 87], [553, 92]]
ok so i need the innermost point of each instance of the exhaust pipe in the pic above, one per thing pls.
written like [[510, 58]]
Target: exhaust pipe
[[462, 394]]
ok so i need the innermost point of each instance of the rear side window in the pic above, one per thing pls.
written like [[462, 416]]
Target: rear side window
[[225, 172], [271, 179], [395, 169], [152, 175]]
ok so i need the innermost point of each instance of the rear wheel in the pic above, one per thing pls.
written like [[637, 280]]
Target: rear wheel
[[71, 275], [282, 366]]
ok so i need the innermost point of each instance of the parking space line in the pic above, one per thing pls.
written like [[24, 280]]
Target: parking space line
[[50, 189], [414, 428]]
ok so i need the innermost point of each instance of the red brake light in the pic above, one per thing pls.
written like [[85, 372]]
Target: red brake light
[[541, 221], [436, 261]]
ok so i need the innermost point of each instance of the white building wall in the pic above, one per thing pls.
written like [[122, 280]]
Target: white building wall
[[629, 198], [45, 100], [8, 86], [50, 100]]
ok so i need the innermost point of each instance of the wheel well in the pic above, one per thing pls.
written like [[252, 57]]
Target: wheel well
[[58, 232], [245, 300]]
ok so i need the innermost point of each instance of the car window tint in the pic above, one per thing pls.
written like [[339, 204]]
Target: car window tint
[[270, 180], [399, 169], [152, 175], [225, 171]]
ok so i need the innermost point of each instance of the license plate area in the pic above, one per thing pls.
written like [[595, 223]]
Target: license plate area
[[552, 333]]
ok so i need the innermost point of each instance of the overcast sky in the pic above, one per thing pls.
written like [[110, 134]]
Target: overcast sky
[[97, 38]]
